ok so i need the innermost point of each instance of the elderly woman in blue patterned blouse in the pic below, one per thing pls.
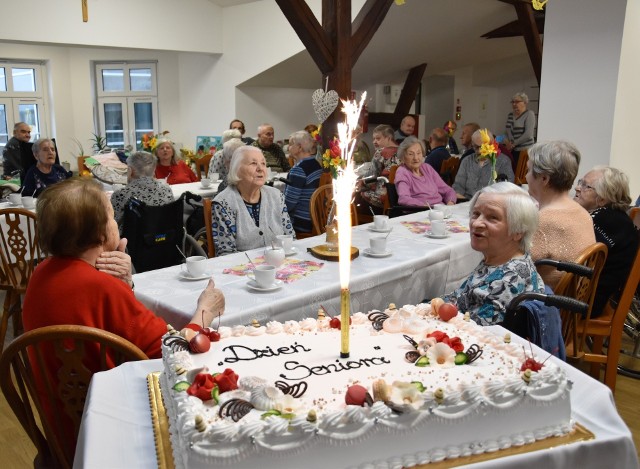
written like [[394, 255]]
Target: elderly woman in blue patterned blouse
[[248, 214], [503, 219]]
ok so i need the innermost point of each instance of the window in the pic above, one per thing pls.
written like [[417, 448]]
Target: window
[[21, 99], [127, 102]]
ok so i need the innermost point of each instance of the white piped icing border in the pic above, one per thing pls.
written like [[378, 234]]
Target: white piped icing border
[[510, 402]]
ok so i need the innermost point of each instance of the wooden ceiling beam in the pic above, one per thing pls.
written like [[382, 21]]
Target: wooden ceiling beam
[[531, 36], [409, 91], [366, 24], [310, 32]]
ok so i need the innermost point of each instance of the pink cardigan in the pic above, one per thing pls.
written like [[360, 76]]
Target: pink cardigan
[[417, 190]]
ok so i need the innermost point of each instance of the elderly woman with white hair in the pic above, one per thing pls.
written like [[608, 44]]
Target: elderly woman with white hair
[[520, 126], [565, 228], [45, 172], [141, 185], [170, 167], [604, 193], [503, 220], [248, 214], [304, 179]]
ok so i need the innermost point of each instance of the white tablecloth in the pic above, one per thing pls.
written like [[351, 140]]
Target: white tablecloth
[[194, 188], [116, 429], [420, 267]]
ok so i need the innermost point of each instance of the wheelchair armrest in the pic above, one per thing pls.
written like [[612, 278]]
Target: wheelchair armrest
[[570, 267], [562, 302]]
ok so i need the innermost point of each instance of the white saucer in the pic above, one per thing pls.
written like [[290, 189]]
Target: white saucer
[[370, 253], [253, 285], [435, 236], [376, 230], [291, 253], [205, 188], [187, 276]]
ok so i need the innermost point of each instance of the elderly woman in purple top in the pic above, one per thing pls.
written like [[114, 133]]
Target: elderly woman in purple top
[[418, 183]]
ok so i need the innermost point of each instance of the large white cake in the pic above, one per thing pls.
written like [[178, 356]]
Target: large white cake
[[457, 410]]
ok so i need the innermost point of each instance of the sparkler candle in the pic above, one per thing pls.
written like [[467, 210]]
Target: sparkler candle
[[343, 187]]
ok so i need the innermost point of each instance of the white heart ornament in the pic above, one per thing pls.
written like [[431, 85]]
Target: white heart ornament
[[324, 103]]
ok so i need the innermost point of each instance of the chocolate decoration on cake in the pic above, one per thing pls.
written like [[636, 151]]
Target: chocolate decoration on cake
[[235, 408], [377, 318], [295, 390], [176, 343], [473, 353]]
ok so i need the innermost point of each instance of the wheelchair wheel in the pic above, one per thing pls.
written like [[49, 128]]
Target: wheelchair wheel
[[629, 363], [196, 245]]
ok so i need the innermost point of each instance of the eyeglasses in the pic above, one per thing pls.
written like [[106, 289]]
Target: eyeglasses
[[583, 185]]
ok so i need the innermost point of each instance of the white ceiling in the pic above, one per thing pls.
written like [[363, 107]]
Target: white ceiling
[[446, 34]]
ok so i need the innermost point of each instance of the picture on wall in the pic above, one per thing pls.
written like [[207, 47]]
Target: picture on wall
[[208, 144]]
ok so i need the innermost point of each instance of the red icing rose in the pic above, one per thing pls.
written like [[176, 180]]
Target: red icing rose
[[226, 381], [202, 386], [438, 335], [454, 342]]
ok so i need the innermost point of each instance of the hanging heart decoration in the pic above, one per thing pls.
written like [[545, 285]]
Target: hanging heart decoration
[[324, 103]]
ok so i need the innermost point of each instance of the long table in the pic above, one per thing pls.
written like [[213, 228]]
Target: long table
[[419, 267], [116, 429]]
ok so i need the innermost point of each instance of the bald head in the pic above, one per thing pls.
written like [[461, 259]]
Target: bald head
[[438, 137], [408, 125]]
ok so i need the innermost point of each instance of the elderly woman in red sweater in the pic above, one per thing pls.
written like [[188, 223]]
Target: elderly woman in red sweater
[[169, 167], [87, 279]]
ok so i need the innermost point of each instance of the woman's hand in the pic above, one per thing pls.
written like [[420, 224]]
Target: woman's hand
[[210, 305], [116, 263]]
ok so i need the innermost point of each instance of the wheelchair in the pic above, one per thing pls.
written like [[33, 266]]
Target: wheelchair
[[156, 235]]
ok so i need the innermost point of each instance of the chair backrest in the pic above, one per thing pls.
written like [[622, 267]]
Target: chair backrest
[[153, 233], [449, 169], [634, 214], [19, 248], [202, 166], [521, 169], [208, 225], [325, 178], [49, 369], [320, 205], [582, 289]]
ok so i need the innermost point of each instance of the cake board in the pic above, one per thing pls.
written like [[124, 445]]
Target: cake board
[[160, 423]]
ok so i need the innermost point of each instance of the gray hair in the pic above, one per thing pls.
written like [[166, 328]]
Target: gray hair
[[477, 137], [305, 140], [522, 211], [520, 96], [38, 143], [238, 157], [229, 147], [17, 125], [142, 163], [406, 143], [229, 134], [613, 187], [558, 159], [385, 131]]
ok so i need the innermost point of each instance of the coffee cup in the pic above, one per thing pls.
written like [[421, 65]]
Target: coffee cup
[[286, 242], [15, 199], [381, 222], [378, 244], [436, 215], [265, 275], [446, 209], [28, 202], [196, 265], [205, 182], [274, 256], [214, 177], [438, 227]]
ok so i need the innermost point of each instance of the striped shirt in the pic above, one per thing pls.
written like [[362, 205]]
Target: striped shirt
[[304, 178], [520, 129]]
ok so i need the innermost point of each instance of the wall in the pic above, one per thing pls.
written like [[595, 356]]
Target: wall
[[580, 76], [438, 93], [187, 25], [625, 121]]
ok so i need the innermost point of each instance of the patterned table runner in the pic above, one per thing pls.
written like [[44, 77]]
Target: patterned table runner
[[419, 227], [290, 271]]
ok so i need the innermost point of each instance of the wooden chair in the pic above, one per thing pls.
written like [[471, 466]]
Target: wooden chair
[[449, 169], [320, 205], [325, 178], [521, 169], [583, 289], [202, 166], [19, 252], [44, 376], [610, 326]]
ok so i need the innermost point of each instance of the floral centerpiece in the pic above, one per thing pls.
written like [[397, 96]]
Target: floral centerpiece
[[149, 141], [489, 150], [332, 158], [450, 128]]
